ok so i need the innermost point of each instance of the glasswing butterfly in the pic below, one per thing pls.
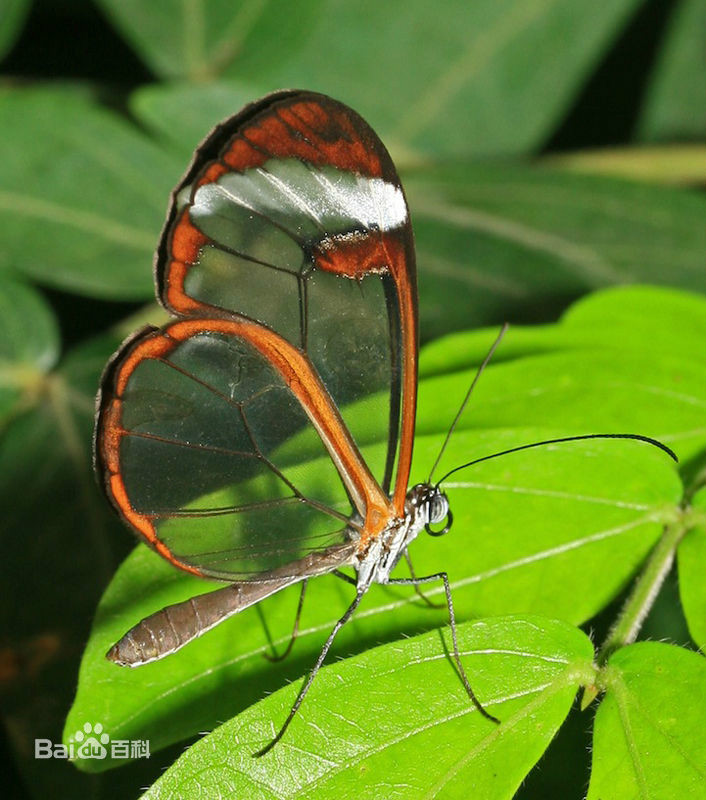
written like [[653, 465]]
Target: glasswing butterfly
[[287, 260]]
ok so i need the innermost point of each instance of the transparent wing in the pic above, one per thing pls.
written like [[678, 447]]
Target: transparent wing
[[292, 214], [193, 428], [196, 441]]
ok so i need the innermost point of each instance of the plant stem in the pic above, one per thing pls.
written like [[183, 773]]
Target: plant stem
[[644, 593]]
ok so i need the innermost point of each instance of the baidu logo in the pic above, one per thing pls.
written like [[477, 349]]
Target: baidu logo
[[92, 741]]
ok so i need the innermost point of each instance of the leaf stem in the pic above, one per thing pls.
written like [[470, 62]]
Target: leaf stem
[[645, 591]]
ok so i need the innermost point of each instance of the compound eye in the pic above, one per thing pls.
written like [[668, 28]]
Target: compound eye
[[447, 525]]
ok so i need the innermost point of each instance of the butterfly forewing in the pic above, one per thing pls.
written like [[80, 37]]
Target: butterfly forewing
[[231, 440], [292, 214]]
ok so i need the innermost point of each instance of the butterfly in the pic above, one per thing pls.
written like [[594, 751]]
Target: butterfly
[[287, 262]]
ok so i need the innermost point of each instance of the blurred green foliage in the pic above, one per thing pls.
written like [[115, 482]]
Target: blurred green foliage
[[101, 105]]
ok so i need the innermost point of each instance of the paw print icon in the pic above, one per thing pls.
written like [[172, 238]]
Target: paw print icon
[[91, 741]]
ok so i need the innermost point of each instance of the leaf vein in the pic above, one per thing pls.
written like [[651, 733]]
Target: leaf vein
[[85, 221]]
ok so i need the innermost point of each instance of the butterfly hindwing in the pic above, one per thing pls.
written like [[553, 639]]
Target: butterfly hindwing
[[196, 419]]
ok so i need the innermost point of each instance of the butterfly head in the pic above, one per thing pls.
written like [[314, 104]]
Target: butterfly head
[[431, 505]]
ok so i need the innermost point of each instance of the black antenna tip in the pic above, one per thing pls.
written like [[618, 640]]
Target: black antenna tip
[[662, 446]]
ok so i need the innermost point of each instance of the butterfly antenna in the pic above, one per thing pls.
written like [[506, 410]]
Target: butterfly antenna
[[462, 408], [636, 436]]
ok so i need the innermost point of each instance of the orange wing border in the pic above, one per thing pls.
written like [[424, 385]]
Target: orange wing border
[[299, 375]]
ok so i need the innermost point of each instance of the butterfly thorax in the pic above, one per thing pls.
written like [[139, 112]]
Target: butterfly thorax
[[424, 505]]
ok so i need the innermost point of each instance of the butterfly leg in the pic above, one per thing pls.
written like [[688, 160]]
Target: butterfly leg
[[442, 576], [295, 630], [415, 583], [310, 678], [344, 577]]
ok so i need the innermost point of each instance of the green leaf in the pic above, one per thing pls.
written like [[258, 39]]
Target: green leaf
[[182, 114], [673, 107], [480, 56], [29, 335], [198, 41], [590, 391], [691, 559], [558, 533], [83, 194], [496, 243], [29, 345], [359, 734], [621, 319], [647, 741], [12, 16], [590, 373], [466, 81], [625, 318]]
